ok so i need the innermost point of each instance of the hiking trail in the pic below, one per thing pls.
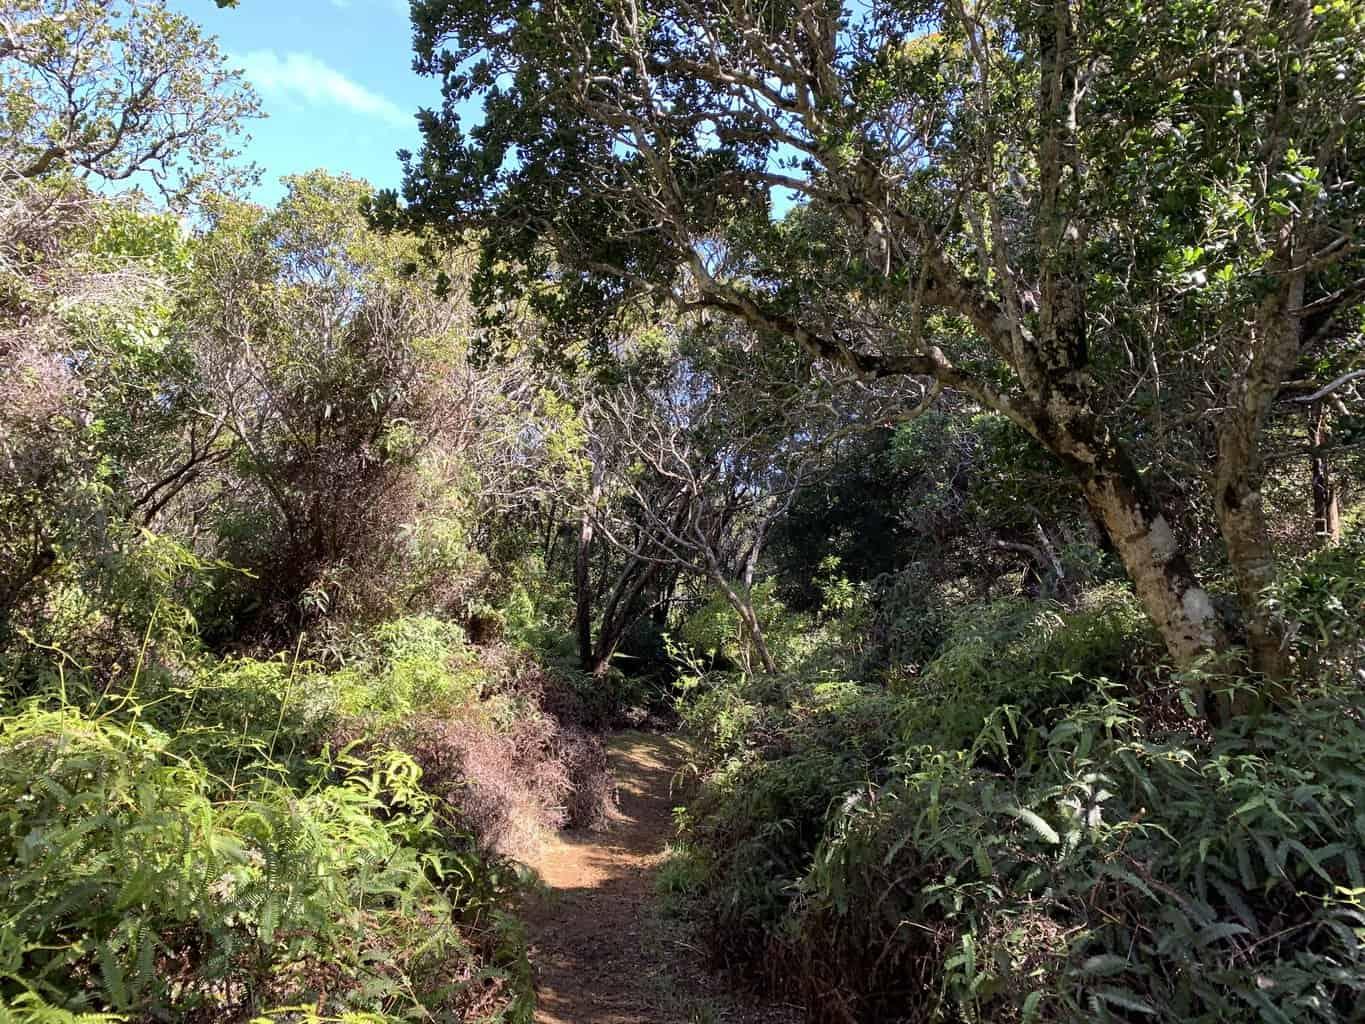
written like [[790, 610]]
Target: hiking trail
[[602, 952]]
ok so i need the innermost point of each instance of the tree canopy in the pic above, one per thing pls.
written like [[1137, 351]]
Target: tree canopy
[[125, 92], [1069, 213]]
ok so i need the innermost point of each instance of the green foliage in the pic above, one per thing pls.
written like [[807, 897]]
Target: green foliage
[[1324, 595], [907, 621], [611, 697], [1030, 655], [1111, 873], [682, 878], [784, 752], [409, 665], [714, 630], [28, 1008], [535, 605], [188, 843], [131, 888], [117, 90], [1001, 839], [238, 715]]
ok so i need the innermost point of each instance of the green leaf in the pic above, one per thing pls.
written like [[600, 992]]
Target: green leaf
[[1034, 821], [1126, 999], [983, 861], [1105, 965]]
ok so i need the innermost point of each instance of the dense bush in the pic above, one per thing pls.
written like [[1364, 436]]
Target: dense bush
[[1324, 595], [405, 666], [1031, 655], [1003, 838], [213, 838], [1102, 875], [131, 887], [785, 753]]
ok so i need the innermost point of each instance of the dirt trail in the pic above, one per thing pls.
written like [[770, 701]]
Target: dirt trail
[[601, 952]]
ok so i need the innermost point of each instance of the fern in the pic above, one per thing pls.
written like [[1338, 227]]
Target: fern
[[128, 867]]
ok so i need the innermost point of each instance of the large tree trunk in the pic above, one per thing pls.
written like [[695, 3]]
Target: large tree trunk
[[1165, 584], [1063, 416]]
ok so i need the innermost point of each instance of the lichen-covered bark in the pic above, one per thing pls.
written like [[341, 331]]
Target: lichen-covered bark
[[1239, 501], [1163, 580]]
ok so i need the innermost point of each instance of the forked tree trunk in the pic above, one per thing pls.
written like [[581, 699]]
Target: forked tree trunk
[[622, 610], [742, 602]]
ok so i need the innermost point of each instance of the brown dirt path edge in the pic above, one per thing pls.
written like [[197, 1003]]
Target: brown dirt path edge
[[600, 952]]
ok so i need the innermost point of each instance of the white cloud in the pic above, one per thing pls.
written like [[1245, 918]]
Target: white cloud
[[401, 7], [301, 76]]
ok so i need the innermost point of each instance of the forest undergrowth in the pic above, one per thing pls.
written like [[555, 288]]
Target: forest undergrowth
[[1036, 825], [242, 838]]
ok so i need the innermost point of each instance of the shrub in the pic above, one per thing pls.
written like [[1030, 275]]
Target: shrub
[[1323, 596], [558, 696], [1077, 869], [131, 888], [610, 699], [406, 666], [1104, 876], [782, 753], [509, 767], [236, 715], [1003, 839], [907, 623], [1034, 656], [502, 785]]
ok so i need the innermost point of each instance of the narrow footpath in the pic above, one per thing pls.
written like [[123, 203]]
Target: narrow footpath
[[601, 951]]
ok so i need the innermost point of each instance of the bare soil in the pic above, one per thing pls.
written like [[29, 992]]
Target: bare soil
[[602, 952]]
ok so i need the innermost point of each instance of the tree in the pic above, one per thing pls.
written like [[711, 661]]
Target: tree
[[99, 406], [699, 458], [325, 356], [117, 90], [986, 186]]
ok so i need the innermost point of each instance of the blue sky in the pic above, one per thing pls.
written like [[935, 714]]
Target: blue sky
[[336, 81], [335, 78]]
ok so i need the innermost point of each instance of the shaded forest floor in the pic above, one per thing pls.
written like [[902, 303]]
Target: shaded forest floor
[[602, 951]]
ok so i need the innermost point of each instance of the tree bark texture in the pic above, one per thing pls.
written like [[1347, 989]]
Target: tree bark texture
[[1326, 500]]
